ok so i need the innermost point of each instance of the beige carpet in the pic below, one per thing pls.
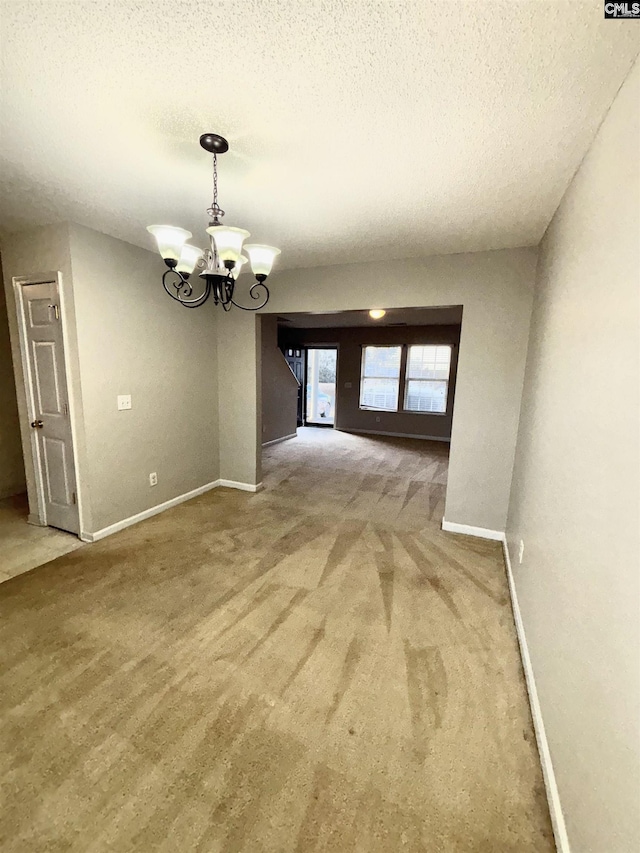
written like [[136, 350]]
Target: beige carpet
[[313, 668]]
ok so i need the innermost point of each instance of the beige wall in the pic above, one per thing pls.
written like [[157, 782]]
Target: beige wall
[[279, 386], [575, 497], [240, 395], [495, 290], [348, 414], [134, 340], [131, 339], [12, 476]]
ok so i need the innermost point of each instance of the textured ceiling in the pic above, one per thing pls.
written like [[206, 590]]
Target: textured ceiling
[[358, 129]]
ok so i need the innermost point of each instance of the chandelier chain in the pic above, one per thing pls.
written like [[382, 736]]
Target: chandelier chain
[[215, 211], [215, 181]]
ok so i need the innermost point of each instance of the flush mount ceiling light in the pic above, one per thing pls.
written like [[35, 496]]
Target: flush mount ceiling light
[[377, 313], [222, 262]]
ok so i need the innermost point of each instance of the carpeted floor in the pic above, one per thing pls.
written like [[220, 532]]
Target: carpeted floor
[[316, 667]]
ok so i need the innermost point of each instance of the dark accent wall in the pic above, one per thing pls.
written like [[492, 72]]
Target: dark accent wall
[[279, 387], [349, 415]]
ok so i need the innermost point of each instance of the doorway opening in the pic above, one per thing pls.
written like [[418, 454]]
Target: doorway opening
[[321, 378], [391, 379], [386, 387]]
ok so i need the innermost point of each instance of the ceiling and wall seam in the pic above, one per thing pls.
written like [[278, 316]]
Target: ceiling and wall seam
[[590, 145]]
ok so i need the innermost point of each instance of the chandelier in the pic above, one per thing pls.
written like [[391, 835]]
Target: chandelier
[[222, 262]]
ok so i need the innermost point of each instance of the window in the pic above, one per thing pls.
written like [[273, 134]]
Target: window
[[427, 379], [423, 371], [380, 381]]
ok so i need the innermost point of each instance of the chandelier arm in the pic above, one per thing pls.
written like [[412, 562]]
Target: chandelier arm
[[195, 303], [229, 287], [178, 285], [184, 289], [254, 295], [221, 291]]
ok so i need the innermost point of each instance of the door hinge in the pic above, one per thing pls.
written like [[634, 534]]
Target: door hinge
[[74, 498], [65, 409]]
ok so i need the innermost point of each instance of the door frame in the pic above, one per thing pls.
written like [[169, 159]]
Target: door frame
[[38, 514]]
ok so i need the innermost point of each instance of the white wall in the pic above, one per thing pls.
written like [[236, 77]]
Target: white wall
[[496, 291], [575, 500]]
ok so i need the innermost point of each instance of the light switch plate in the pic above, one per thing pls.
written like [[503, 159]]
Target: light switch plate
[[124, 402]]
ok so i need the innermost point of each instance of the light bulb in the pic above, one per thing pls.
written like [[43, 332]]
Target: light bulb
[[262, 258], [170, 241], [377, 313], [228, 241]]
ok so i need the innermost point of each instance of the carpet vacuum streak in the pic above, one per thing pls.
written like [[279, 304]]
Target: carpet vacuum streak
[[316, 667]]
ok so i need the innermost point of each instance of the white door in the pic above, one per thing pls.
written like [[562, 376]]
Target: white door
[[39, 308]]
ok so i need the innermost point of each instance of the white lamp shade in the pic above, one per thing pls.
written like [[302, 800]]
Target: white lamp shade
[[170, 240], [261, 257], [189, 257], [228, 241], [235, 272]]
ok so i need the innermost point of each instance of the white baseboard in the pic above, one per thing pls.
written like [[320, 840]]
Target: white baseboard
[[278, 440], [468, 530], [155, 510], [396, 434], [244, 487], [147, 513], [553, 796]]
